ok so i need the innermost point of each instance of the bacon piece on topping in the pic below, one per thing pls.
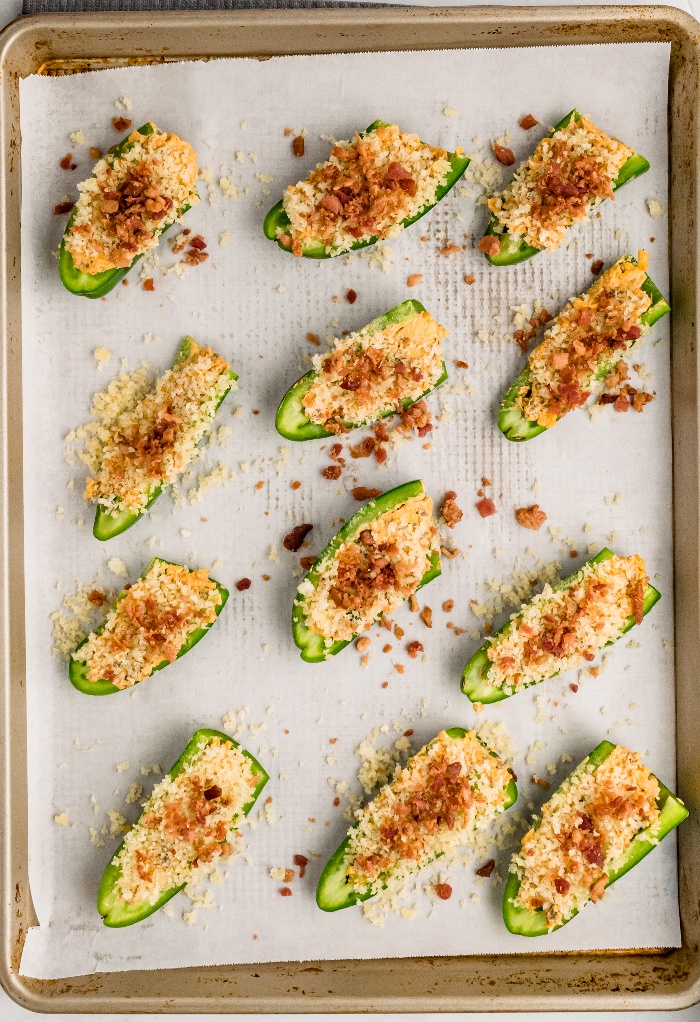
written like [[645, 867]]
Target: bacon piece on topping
[[490, 245]]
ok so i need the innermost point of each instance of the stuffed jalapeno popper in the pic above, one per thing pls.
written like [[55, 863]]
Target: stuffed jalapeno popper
[[453, 787], [153, 442], [190, 820], [563, 627], [369, 189], [570, 172], [388, 365], [135, 193], [380, 557], [606, 816], [582, 345], [153, 622]]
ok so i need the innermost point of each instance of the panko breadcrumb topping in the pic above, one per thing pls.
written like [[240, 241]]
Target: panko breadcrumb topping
[[586, 341], [568, 175], [446, 793], [366, 188], [150, 623], [369, 374], [561, 628], [566, 860], [153, 442], [188, 821], [130, 200], [372, 573]]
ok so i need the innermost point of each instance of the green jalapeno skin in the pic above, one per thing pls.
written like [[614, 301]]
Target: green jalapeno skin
[[78, 669], [292, 421], [475, 685], [334, 889], [114, 910], [515, 249], [107, 526], [277, 222], [96, 285], [528, 923], [513, 423], [313, 646]]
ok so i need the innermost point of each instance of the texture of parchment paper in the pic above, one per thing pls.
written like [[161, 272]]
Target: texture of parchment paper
[[255, 304]]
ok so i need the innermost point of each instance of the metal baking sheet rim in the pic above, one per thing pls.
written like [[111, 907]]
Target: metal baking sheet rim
[[533, 982]]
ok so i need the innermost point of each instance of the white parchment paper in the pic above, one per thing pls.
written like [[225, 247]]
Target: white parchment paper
[[255, 304]]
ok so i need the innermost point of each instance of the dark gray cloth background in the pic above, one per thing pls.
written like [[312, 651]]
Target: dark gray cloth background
[[71, 6]]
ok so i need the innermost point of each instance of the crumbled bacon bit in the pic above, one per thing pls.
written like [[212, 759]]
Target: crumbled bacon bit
[[198, 242], [313, 339], [469, 278], [96, 598], [148, 284], [95, 153], [211, 793], [307, 562], [451, 512], [598, 888], [573, 553], [503, 155], [286, 892], [460, 364], [486, 507], [363, 644], [302, 862], [415, 278], [417, 417], [562, 886], [426, 616], [443, 891], [351, 296], [365, 493], [573, 687], [523, 337], [331, 472], [294, 539], [243, 584], [66, 163], [334, 454], [398, 630], [121, 123], [336, 801], [62, 207], [385, 684], [489, 244], [414, 648], [487, 869], [530, 517], [387, 648], [449, 250], [597, 266], [527, 122], [298, 145], [540, 781], [413, 605], [259, 485]]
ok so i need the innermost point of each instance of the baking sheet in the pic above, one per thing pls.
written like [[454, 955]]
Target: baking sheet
[[255, 304]]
